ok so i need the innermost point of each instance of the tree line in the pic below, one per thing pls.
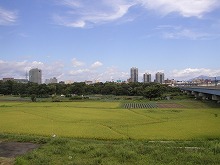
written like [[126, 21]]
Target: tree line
[[148, 90]]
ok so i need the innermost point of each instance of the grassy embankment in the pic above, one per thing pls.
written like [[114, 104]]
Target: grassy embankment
[[63, 151]]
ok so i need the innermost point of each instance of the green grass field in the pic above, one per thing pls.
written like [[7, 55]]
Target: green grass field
[[98, 132], [109, 120], [73, 151]]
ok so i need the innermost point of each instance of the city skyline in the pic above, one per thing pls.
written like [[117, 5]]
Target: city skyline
[[101, 40], [35, 75]]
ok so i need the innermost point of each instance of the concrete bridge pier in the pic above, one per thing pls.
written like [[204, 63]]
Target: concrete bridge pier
[[187, 92], [196, 94], [216, 98], [204, 96]]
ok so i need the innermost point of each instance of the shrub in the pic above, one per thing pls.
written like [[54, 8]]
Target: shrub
[[33, 98], [55, 98]]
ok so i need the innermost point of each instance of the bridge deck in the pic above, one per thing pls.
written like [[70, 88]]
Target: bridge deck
[[206, 90]]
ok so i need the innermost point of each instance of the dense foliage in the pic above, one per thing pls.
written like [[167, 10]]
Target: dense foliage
[[148, 90]]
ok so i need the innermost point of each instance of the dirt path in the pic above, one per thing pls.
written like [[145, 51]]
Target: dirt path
[[7, 161]]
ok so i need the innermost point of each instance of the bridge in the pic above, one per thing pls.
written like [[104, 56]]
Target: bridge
[[205, 93]]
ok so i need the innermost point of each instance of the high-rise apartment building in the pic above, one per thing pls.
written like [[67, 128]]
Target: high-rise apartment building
[[159, 77], [134, 74], [147, 78], [35, 75]]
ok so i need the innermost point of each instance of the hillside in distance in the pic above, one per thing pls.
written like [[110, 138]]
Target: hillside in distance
[[206, 77]]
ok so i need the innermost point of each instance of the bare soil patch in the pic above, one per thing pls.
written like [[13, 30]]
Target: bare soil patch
[[7, 161], [13, 149]]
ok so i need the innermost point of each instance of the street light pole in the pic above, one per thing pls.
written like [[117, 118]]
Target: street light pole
[[215, 82]]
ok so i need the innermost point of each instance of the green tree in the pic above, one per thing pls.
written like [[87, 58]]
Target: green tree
[[109, 88], [152, 92]]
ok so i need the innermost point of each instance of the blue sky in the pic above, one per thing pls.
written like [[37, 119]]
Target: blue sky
[[101, 40]]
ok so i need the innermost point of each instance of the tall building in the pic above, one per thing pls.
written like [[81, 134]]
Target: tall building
[[159, 77], [35, 75], [147, 78], [134, 74]]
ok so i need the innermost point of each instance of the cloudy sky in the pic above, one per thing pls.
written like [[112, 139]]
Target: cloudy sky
[[101, 40]]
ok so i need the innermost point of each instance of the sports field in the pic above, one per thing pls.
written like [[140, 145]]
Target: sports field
[[184, 120]]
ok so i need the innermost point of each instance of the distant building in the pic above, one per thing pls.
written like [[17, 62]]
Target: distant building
[[69, 82], [120, 81], [62, 82], [35, 75], [170, 82], [7, 79], [88, 82], [128, 80], [16, 80], [159, 77], [134, 74], [24, 81], [147, 78], [51, 81], [47, 81]]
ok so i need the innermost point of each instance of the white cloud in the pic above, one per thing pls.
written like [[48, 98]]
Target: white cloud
[[112, 74], [80, 75], [186, 8], [71, 3], [187, 34], [85, 73], [189, 73], [178, 32], [83, 14], [87, 13], [13, 69], [79, 72], [7, 17], [65, 21], [96, 64], [106, 74], [77, 63]]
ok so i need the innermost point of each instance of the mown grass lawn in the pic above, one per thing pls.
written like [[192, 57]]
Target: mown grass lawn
[[108, 120]]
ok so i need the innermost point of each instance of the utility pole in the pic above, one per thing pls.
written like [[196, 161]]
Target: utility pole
[[26, 75]]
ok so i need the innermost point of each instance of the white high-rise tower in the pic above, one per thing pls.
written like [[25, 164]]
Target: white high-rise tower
[[35, 75], [159, 77], [147, 78], [134, 74]]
